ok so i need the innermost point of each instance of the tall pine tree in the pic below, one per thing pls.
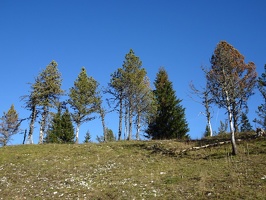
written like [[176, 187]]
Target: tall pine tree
[[169, 122], [132, 75], [83, 99], [131, 94], [45, 93]]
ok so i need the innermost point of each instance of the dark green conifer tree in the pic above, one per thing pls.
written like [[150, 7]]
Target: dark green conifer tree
[[169, 122], [261, 112], [207, 132], [245, 125], [61, 129], [54, 128], [67, 127], [87, 138]]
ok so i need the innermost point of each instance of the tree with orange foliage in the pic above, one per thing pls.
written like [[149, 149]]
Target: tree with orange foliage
[[231, 83]]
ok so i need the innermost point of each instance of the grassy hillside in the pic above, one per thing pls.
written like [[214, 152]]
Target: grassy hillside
[[133, 170]]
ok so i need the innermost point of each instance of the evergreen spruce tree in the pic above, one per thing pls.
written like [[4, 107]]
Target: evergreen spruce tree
[[54, 129], [261, 112], [207, 132], [245, 125], [67, 133], [61, 129], [169, 121], [87, 138]]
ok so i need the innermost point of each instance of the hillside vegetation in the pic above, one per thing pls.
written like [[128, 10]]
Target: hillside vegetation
[[133, 170]]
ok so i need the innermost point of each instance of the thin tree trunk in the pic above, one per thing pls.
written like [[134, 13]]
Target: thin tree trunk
[[210, 127], [4, 141], [25, 135], [208, 114], [32, 121], [103, 124], [120, 119], [138, 126], [130, 122], [43, 124], [234, 148], [235, 120], [126, 133], [77, 133]]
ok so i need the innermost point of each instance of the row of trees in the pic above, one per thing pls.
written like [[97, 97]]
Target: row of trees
[[229, 84], [130, 94], [134, 99]]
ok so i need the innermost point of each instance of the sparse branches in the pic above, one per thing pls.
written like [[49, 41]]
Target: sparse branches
[[144, 104], [261, 112], [205, 100], [102, 112], [9, 125], [231, 83], [31, 104], [116, 89]]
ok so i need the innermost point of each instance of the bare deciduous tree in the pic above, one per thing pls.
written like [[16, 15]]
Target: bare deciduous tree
[[206, 101]]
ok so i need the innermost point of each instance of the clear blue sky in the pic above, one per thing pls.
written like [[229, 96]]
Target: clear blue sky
[[179, 35]]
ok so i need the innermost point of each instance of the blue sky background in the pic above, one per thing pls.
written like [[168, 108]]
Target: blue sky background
[[179, 35]]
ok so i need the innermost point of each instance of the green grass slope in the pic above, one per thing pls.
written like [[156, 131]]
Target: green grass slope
[[133, 170]]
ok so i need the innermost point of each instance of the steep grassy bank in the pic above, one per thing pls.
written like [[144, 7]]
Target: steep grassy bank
[[133, 170]]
